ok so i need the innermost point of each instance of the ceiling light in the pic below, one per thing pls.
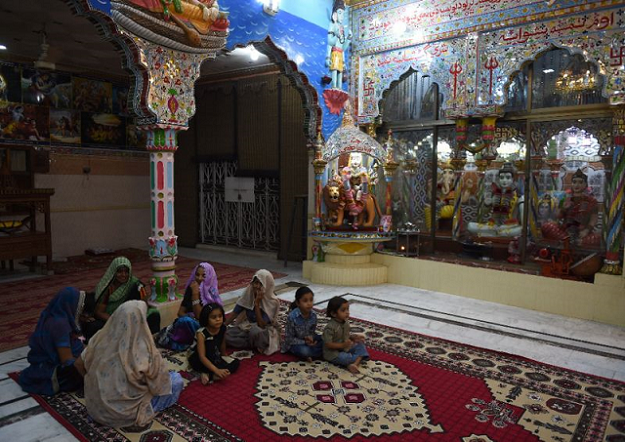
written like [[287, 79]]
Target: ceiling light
[[3, 48], [548, 71], [253, 53], [271, 7]]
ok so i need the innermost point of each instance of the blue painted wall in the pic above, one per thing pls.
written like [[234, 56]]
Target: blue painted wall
[[317, 12], [303, 40]]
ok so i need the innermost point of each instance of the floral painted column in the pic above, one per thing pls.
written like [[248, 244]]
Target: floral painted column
[[162, 143], [319, 164], [613, 229], [389, 166], [163, 50]]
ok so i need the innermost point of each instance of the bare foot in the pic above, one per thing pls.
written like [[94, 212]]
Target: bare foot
[[353, 368], [308, 359], [205, 378]]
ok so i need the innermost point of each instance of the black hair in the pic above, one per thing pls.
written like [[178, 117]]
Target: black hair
[[90, 303], [207, 310], [298, 295], [334, 305]]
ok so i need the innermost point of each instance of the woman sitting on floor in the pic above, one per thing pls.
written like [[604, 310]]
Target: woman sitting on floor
[[55, 347], [201, 290], [127, 381], [255, 317], [116, 287]]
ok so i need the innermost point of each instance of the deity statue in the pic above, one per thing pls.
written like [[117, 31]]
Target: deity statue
[[470, 185], [546, 210], [445, 192], [356, 182], [505, 206], [578, 216], [338, 41], [194, 17]]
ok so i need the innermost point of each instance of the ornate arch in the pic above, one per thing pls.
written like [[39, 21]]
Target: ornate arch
[[442, 61], [503, 52], [288, 67]]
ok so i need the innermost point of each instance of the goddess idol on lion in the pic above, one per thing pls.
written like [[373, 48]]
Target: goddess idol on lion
[[349, 194]]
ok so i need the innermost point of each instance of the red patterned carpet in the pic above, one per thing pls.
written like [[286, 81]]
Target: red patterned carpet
[[21, 302], [415, 388]]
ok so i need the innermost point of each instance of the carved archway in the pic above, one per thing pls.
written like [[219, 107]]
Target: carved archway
[[289, 68]]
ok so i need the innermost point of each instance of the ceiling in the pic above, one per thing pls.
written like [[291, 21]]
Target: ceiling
[[77, 47]]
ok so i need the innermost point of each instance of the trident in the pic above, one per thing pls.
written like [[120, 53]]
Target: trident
[[455, 70], [491, 65]]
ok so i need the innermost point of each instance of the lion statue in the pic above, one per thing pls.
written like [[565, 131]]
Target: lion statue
[[338, 202]]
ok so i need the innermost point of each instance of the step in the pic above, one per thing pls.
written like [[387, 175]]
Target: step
[[362, 274]]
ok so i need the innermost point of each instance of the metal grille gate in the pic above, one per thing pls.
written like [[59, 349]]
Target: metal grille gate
[[249, 225]]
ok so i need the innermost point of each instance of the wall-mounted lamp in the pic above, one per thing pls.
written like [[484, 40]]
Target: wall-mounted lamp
[[254, 54], [271, 7]]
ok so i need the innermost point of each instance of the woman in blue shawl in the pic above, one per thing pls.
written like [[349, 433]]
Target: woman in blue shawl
[[55, 347]]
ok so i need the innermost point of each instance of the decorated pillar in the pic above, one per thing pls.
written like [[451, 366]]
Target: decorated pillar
[[489, 125], [536, 165], [164, 47], [319, 164], [613, 229], [162, 143], [458, 164], [462, 132], [389, 166], [481, 164]]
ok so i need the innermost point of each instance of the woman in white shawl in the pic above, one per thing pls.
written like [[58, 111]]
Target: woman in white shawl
[[127, 381], [255, 317]]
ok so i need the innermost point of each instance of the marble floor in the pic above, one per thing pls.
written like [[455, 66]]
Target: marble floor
[[580, 345]]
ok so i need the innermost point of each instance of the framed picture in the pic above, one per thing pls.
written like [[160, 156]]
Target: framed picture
[[46, 88], [92, 95], [106, 130]]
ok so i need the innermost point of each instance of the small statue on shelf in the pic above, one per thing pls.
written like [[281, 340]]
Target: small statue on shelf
[[445, 192], [578, 216], [505, 205], [546, 209], [356, 182], [338, 41], [514, 251]]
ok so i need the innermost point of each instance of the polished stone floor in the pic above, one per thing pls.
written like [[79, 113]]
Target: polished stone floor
[[579, 345]]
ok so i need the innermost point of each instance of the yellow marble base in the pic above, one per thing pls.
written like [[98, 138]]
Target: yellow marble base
[[345, 273], [603, 301]]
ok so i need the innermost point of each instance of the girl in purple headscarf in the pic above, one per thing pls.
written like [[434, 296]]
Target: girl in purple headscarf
[[201, 289]]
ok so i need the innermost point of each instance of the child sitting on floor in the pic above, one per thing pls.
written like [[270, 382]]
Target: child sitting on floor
[[300, 338], [339, 346], [211, 345]]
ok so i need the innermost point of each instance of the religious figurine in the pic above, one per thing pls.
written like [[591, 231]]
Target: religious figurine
[[355, 182], [578, 216], [514, 251], [338, 41], [194, 17], [445, 192], [546, 210], [470, 184], [505, 206], [348, 195]]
